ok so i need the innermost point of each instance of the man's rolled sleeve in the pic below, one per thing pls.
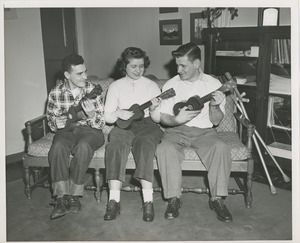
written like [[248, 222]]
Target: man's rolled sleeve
[[98, 120], [51, 111]]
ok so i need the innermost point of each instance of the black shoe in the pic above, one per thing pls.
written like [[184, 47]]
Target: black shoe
[[61, 208], [75, 205], [148, 212], [172, 209], [220, 208], [112, 210]]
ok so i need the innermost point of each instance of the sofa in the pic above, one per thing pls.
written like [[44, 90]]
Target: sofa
[[39, 140]]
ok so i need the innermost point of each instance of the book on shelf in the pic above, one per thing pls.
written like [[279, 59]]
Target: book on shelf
[[281, 51], [230, 53]]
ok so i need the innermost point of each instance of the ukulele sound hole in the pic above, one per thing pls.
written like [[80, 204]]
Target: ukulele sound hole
[[190, 107]]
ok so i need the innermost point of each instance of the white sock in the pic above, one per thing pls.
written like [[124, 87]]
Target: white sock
[[148, 195], [114, 195]]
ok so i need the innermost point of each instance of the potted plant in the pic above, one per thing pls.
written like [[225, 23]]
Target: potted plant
[[220, 17]]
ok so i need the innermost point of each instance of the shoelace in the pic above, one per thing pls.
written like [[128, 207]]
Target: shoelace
[[74, 199], [221, 204], [172, 203], [110, 206], [146, 206], [62, 199]]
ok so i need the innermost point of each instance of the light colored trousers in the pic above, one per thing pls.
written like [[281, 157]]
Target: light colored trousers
[[212, 151]]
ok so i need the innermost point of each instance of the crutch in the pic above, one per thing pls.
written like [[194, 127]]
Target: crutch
[[243, 111], [272, 187], [285, 177]]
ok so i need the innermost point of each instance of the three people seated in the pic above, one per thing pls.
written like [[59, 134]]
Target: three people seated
[[140, 134]]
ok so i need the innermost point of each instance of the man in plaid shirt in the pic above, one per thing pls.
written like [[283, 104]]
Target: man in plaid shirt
[[81, 141]]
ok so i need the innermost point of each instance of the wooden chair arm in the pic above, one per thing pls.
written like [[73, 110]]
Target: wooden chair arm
[[244, 121], [39, 123], [250, 131], [35, 120]]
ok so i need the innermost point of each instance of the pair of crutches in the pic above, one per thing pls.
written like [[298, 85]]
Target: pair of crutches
[[239, 104]]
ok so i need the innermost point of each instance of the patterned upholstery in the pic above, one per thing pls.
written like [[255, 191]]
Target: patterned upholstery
[[228, 124], [238, 151], [225, 130], [42, 146]]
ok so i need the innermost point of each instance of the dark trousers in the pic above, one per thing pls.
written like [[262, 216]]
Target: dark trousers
[[68, 177], [142, 138]]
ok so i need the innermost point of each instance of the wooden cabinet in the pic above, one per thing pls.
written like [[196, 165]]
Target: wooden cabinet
[[255, 55]]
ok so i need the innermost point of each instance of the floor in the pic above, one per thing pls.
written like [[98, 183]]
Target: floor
[[270, 218]]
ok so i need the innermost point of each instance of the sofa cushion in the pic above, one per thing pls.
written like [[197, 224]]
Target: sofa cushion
[[41, 146], [238, 151], [104, 82]]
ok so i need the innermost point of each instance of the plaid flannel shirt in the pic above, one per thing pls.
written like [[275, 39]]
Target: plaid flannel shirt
[[60, 99]]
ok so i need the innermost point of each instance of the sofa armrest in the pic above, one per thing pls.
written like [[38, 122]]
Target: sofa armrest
[[244, 121], [250, 128], [36, 128]]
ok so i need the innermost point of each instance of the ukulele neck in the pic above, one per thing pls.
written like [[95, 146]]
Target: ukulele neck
[[78, 107], [165, 95], [146, 105], [208, 97]]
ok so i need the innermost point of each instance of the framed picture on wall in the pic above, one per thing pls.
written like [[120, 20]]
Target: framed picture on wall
[[170, 32], [199, 21]]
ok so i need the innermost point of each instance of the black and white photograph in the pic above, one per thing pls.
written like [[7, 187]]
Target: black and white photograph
[[130, 122], [170, 32]]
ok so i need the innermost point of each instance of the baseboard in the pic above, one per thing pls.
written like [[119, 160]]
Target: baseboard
[[12, 158]]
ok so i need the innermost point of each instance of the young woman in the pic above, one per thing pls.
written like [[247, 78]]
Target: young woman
[[141, 137]]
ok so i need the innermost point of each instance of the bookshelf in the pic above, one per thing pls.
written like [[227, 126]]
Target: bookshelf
[[260, 58]]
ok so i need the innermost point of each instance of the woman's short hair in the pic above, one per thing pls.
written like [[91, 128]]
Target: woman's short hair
[[191, 50], [71, 60], [131, 53]]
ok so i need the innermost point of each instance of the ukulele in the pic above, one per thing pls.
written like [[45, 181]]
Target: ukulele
[[138, 110], [72, 113], [196, 103]]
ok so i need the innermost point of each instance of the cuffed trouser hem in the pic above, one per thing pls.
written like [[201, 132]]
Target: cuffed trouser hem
[[67, 188], [76, 190], [222, 192], [117, 178], [173, 193], [61, 188]]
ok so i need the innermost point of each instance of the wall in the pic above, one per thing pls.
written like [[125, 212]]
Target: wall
[[105, 33], [115, 29], [102, 35], [25, 82]]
